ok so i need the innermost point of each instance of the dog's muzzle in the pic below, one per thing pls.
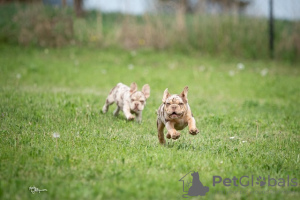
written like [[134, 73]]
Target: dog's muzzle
[[174, 115]]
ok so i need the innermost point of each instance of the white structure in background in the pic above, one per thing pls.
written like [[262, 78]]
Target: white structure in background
[[136, 7], [283, 9]]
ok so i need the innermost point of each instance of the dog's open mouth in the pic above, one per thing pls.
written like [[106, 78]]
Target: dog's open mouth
[[136, 110], [174, 115]]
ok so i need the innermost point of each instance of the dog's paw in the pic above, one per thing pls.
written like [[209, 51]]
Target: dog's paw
[[130, 118], [194, 131], [173, 134], [162, 142], [168, 136], [104, 110]]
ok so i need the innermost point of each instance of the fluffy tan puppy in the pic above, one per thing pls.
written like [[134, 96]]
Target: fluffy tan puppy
[[175, 114], [128, 99]]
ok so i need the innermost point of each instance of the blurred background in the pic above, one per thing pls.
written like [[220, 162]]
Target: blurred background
[[256, 29]]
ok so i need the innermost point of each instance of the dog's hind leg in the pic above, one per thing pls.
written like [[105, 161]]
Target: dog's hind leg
[[160, 130], [116, 112], [109, 100]]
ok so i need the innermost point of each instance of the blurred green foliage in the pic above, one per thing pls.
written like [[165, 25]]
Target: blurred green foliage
[[216, 35]]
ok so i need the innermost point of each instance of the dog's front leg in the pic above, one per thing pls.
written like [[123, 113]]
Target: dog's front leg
[[127, 113], [192, 126], [139, 117], [172, 133]]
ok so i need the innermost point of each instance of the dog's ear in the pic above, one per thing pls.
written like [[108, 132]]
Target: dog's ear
[[166, 95], [184, 94], [133, 88], [146, 91]]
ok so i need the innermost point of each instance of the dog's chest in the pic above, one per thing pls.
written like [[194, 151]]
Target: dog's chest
[[180, 124]]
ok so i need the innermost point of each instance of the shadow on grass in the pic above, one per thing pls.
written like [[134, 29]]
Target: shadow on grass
[[180, 145]]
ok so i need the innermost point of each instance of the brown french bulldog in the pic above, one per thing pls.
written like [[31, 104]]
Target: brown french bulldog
[[175, 114]]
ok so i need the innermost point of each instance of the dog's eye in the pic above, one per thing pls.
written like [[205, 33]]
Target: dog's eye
[[132, 99], [168, 104], [180, 104], [142, 101]]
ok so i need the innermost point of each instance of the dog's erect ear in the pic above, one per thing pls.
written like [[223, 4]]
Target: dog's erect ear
[[146, 91], [133, 88], [184, 94], [166, 95]]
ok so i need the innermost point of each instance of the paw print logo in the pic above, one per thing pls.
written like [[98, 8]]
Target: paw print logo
[[261, 181]]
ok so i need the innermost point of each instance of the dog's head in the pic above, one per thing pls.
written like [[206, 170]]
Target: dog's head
[[138, 98], [175, 105]]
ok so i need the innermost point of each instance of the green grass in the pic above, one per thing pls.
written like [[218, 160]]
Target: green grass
[[47, 91]]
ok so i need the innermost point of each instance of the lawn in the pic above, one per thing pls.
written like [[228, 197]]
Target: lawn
[[54, 137]]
